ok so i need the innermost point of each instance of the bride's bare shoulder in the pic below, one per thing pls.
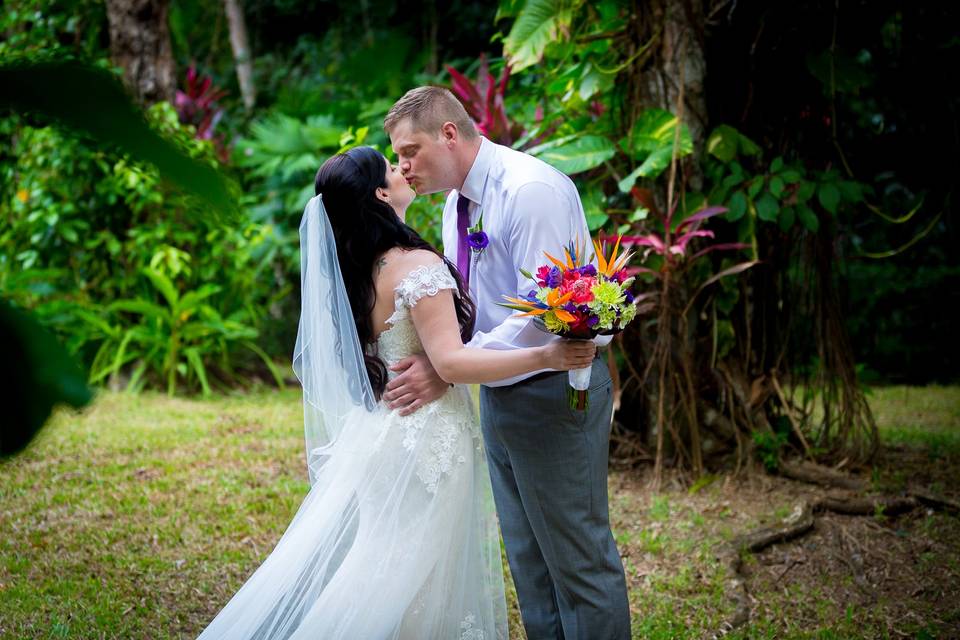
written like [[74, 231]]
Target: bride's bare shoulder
[[396, 264], [398, 258], [413, 258]]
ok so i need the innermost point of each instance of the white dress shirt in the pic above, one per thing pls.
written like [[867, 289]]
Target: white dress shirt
[[528, 207]]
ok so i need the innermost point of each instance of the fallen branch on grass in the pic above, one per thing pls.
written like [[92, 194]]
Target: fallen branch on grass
[[801, 521], [730, 556], [935, 502], [867, 506], [812, 473]]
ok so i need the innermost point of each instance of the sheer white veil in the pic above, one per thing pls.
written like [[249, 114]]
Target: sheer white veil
[[327, 358]]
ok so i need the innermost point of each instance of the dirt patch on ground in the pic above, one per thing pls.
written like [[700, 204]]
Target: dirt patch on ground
[[874, 576]]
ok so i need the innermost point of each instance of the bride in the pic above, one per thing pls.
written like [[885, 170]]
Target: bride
[[397, 537]]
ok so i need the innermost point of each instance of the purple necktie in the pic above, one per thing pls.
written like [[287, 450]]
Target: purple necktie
[[463, 249]]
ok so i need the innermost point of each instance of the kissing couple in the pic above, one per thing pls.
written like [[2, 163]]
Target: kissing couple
[[397, 537]]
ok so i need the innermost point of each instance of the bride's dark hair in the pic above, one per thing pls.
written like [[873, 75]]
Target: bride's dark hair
[[364, 228]]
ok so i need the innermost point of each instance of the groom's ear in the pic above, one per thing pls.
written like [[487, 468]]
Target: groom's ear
[[449, 133]]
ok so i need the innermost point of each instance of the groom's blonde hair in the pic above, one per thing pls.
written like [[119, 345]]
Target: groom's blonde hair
[[427, 108]]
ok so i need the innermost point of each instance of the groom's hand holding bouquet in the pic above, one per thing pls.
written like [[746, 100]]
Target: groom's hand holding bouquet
[[579, 300]]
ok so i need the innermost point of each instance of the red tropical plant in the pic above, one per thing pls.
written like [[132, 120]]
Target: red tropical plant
[[484, 102], [199, 106]]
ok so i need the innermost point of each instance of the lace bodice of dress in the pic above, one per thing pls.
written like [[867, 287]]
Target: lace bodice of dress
[[400, 339], [438, 431]]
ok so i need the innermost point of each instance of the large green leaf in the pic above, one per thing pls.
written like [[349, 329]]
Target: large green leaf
[[748, 147], [829, 196], [767, 208], [281, 145], [97, 321], [808, 218], [274, 371], [722, 143], [196, 331], [651, 141], [538, 24], [120, 358], [508, 9], [143, 307], [805, 191], [788, 216], [737, 206], [193, 298], [193, 357], [164, 285], [654, 130], [725, 143], [92, 100], [575, 155], [776, 186], [593, 207]]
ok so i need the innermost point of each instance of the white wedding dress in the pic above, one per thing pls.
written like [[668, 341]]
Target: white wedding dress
[[397, 538]]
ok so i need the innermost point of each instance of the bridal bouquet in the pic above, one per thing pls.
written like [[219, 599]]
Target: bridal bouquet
[[579, 300]]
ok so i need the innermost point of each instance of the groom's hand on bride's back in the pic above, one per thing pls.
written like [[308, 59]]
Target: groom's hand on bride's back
[[417, 384]]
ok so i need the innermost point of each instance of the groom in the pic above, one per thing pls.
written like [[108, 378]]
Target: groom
[[548, 462]]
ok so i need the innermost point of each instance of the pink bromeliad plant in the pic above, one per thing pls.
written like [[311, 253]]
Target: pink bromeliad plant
[[673, 244]]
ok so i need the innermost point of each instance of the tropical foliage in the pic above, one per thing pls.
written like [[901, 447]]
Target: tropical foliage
[[775, 248]]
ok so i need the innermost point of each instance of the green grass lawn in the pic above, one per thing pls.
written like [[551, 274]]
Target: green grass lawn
[[140, 516], [927, 417]]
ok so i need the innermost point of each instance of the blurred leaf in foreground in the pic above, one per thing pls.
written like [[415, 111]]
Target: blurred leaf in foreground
[[38, 373], [91, 100]]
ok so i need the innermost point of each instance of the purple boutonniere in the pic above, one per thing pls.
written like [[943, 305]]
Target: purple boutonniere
[[477, 238]]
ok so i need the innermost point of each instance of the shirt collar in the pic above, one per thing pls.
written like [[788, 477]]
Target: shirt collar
[[477, 176]]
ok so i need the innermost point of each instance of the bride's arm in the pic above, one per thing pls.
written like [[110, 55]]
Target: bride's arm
[[435, 320]]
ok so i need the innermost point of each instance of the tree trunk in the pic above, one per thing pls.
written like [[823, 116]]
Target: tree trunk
[[678, 58], [241, 52], [667, 71], [140, 45]]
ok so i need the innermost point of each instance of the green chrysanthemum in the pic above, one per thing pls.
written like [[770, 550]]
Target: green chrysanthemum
[[607, 316], [608, 293], [627, 314], [542, 295], [553, 323]]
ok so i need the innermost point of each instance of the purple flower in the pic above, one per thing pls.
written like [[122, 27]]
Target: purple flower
[[592, 321], [555, 278], [478, 241], [572, 308], [588, 270], [629, 296]]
